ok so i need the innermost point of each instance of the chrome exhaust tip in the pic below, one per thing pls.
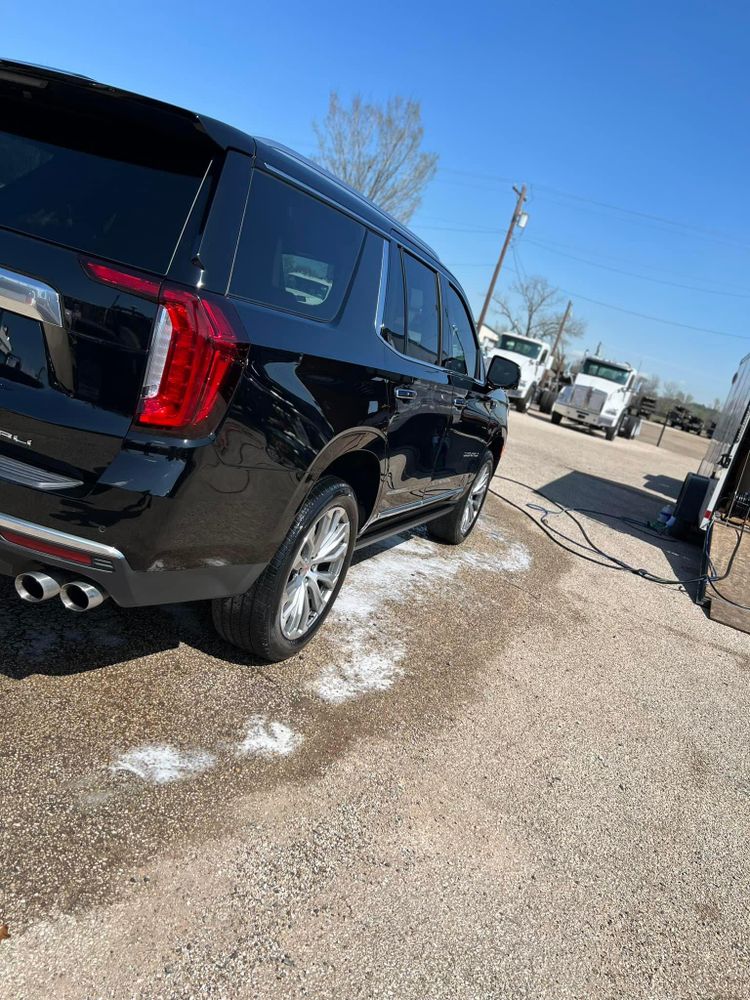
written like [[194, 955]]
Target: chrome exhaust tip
[[36, 587], [78, 595]]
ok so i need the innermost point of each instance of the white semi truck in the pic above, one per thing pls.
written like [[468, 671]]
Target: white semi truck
[[601, 397], [534, 359]]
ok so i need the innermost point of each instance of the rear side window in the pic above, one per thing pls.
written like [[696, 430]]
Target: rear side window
[[459, 348], [422, 319], [394, 315], [104, 190], [295, 252]]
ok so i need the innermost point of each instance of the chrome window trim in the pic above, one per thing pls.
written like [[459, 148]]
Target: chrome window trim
[[418, 361], [28, 297], [55, 537], [343, 186], [399, 354], [382, 288], [326, 199], [472, 326]]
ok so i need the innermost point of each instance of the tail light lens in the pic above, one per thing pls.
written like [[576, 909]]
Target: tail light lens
[[195, 360], [193, 368]]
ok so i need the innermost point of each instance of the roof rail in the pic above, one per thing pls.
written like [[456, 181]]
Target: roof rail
[[47, 69]]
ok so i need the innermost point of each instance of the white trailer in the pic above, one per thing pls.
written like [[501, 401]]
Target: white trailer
[[726, 461], [600, 398], [717, 499], [534, 359]]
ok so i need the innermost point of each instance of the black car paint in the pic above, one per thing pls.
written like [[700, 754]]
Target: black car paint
[[199, 519]]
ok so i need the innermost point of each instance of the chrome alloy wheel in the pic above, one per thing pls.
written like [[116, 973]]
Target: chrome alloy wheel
[[475, 498], [315, 572]]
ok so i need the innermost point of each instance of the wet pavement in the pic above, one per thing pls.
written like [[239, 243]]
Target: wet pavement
[[499, 771]]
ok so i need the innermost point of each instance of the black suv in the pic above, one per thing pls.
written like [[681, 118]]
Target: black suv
[[221, 369]]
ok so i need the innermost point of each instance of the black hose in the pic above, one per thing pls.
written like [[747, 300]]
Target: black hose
[[612, 562]]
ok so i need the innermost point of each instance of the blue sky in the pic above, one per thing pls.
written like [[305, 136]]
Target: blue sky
[[642, 106]]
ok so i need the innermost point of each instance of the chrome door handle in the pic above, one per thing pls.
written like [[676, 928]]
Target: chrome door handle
[[459, 402], [406, 394]]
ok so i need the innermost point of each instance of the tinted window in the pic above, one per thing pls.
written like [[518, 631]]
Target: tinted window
[[459, 347], [599, 369], [394, 321], [422, 320], [105, 191], [295, 252], [519, 346]]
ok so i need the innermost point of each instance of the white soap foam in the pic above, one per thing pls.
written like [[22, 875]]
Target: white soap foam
[[368, 673], [161, 764], [264, 738], [397, 573]]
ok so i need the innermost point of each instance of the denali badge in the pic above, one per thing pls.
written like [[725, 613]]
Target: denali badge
[[14, 438]]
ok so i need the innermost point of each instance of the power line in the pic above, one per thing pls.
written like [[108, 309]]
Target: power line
[[715, 233], [632, 274], [656, 319], [625, 260], [632, 312], [495, 179]]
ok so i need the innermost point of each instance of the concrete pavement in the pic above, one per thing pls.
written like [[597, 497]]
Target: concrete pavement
[[500, 771]]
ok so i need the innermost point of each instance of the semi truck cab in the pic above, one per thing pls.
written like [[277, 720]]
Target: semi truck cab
[[600, 398], [534, 359]]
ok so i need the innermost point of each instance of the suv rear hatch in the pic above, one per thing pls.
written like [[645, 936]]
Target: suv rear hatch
[[87, 173]]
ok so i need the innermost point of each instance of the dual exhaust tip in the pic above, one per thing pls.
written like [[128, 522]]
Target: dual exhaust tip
[[76, 595]]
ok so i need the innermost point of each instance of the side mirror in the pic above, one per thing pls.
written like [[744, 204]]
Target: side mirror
[[503, 373]]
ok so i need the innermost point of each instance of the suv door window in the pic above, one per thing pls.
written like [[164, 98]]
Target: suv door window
[[460, 350], [295, 252], [422, 318]]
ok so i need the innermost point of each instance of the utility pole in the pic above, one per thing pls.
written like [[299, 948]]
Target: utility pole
[[663, 428], [517, 212], [563, 321]]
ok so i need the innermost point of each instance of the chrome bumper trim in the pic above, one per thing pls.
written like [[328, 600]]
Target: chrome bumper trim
[[29, 475], [55, 537]]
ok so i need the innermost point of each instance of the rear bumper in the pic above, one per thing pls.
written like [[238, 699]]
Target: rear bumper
[[110, 569], [584, 416]]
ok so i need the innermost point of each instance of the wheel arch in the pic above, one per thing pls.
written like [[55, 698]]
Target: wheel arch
[[359, 457], [495, 446]]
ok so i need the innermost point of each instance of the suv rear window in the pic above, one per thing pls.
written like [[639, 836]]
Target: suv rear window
[[106, 191], [295, 252]]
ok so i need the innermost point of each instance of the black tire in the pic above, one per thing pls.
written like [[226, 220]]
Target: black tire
[[252, 621], [629, 427], [523, 403], [611, 433], [547, 400], [556, 418], [449, 528]]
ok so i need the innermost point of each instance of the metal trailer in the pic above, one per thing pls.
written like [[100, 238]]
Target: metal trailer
[[729, 450], [725, 511]]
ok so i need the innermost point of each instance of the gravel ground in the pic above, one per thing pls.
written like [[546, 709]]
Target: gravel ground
[[501, 771]]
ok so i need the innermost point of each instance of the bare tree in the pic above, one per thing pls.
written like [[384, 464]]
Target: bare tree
[[377, 150], [650, 384], [533, 310], [671, 391]]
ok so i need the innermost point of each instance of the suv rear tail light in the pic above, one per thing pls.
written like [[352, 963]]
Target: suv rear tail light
[[195, 360], [194, 365]]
